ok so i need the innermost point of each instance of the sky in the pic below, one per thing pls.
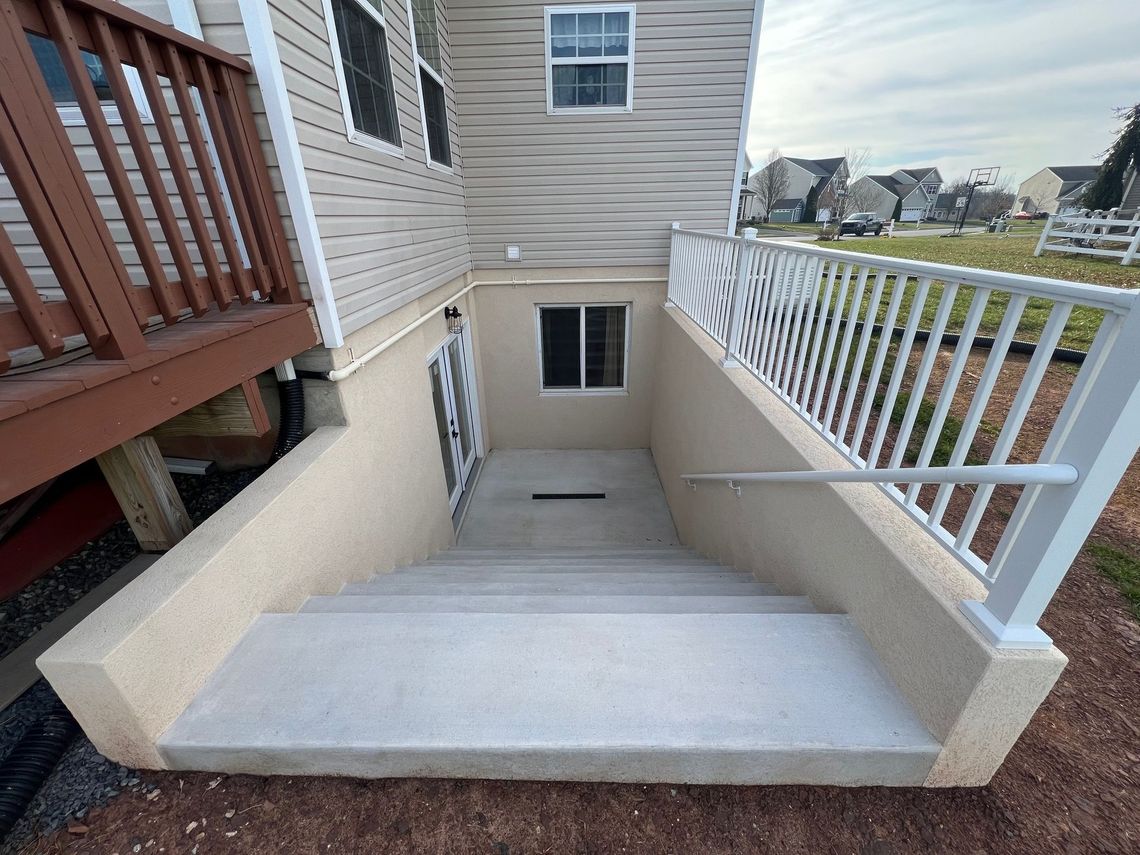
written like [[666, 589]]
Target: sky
[[1020, 84]]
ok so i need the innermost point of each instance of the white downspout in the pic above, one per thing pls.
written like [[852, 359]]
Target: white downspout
[[745, 114]]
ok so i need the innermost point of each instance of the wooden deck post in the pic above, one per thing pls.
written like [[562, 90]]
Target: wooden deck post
[[138, 477]]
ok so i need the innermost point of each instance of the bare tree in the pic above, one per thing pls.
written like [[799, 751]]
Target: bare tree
[[772, 182], [846, 194]]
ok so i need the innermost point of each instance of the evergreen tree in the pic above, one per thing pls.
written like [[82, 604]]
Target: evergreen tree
[[811, 205], [1107, 189]]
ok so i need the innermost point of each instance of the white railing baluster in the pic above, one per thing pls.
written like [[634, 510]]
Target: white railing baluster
[[787, 298], [775, 289], [795, 343], [885, 338], [763, 299], [819, 316], [760, 260], [1015, 417], [861, 357], [925, 367], [834, 321], [845, 347], [989, 377], [902, 359], [950, 384]]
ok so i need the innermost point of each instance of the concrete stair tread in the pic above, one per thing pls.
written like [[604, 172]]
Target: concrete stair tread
[[561, 585], [592, 575], [508, 570], [561, 604], [703, 698]]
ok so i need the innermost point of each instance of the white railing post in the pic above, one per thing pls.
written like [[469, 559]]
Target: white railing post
[[1133, 247], [735, 327], [1098, 432], [1044, 236], [670, 293]]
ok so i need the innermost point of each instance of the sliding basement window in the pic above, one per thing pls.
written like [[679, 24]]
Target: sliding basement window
[[583, 349]]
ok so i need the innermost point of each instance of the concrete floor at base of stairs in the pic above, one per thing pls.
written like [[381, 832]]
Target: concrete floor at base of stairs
[[503, 513]]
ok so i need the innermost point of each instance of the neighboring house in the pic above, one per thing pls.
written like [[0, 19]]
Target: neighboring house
[[1130, 200], [748, 208], [946, 207], [1054, 189], [825, 176], [916, 188], [486, 248]]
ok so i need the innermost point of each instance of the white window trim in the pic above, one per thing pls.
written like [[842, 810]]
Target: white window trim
[[420, 62], [551, 110], [72, 115], [583, 390], [354, 135]]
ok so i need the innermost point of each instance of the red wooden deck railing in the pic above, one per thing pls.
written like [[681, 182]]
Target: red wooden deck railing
[[208, 90]]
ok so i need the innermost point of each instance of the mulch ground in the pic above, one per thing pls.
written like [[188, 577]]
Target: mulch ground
[[1070, 785]]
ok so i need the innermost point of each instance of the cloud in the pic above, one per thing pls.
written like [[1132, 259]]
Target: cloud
[[955, 85]]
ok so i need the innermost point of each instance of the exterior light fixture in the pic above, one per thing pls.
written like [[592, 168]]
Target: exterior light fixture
[[454, 319]]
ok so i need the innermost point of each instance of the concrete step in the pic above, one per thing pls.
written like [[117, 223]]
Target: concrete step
[[560, 604], [561, 561], [592, 574], [704, 698], [511, 570], [562, 584], [569, 552]]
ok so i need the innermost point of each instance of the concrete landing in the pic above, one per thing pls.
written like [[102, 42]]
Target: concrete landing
[[701, 698], [503, 514]]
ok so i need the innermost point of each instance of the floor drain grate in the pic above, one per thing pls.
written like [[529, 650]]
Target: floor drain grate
[[544, 496]]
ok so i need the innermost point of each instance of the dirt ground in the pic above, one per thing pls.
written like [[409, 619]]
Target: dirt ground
[[1070, 785]]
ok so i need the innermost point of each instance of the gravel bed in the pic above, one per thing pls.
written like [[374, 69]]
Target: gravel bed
[[83, 779], [24, 614]]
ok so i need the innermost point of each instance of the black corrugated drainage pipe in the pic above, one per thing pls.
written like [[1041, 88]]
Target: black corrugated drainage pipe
[[291, 429], [1060, 354], [26, 768]]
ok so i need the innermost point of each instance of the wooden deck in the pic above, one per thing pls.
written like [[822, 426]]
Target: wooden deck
[[110, 327]]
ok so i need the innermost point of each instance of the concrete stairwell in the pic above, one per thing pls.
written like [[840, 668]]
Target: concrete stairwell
[[620, 663]]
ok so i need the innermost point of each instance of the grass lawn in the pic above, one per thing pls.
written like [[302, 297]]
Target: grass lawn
[[1012, 255]]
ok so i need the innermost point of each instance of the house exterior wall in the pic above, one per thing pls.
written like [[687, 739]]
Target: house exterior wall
[[601, 189], [518, 414], [1038, 193], [882, 201]]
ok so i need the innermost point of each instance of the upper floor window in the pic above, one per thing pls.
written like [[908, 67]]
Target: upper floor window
[[589, 59], [429, 80], [364, 72]]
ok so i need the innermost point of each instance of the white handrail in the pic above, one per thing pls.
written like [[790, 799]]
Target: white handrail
[[1010, 473]]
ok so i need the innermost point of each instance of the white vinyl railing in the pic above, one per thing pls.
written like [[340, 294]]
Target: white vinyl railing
[[853, 343], [1092, 234]]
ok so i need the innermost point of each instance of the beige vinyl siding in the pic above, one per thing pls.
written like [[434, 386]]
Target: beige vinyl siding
[[391, 229], [598, 189]]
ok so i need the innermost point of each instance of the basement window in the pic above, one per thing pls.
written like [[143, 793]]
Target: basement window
[[583, 349], [589, 59], [63, 94]]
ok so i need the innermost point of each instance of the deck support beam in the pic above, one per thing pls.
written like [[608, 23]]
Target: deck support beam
[[140, 481]]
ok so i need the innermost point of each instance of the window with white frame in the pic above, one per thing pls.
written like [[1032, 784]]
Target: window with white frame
[[589, 58], [359, 38], [583, 348], [63, 93], [429, 79]]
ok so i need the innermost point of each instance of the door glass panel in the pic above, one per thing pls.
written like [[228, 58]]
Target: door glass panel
[[462, 412], [443, 426]]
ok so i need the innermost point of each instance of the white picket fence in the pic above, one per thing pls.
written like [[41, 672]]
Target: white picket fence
[[1092, 235], [844, 339]]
